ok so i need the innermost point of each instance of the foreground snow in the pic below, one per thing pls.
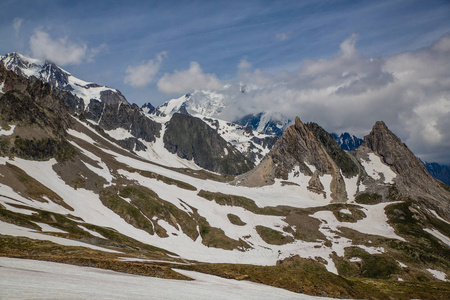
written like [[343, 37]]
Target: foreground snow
[[29, 279]]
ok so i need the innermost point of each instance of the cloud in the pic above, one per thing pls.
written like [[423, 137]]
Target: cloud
[[187, 80], [145, 73], [244, 64], [281, 36], [17, 24], [349, 92], [61, 51]]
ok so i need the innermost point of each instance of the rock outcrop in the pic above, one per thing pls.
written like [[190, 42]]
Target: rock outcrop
[[122, 115], [191, 138], [412, 179], [299, 147]]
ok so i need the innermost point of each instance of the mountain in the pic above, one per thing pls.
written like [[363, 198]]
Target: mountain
[[208, 106], [59, 78], [439, 172], [411, 179], [268, 123], [306, 156], [310, 217], [347, 142]]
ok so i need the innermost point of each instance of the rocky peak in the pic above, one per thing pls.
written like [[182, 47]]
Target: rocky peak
[[412, 179], [298, 147]]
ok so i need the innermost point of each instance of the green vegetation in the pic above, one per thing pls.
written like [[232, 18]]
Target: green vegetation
[[310, 277], [151, 205], [4, 147], [128, 212], [43, 149], [422, 248], [273, 237], [231, 200], [44, 250], [371, 266], [215, 237], [368, 198], [235, 220], [166, 180]]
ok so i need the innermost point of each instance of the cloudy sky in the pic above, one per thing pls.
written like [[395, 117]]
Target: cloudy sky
[[342, 64]]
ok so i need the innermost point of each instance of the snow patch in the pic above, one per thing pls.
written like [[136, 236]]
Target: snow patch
[[438, 274], [119, 134], [7, 131], [443, 238], [375, 167]]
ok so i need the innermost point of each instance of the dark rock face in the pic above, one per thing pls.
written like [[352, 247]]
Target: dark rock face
[[30, 101], [121, 115], [190, 138], [40, 116], [74, 104], [150, 109], [344, 161], [347, 142], [272, 127], [132, 144], [439, 172], [298, 147], [112, 97], [413, 180]]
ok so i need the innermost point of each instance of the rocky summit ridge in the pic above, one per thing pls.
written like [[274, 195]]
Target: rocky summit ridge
[[413, 179]]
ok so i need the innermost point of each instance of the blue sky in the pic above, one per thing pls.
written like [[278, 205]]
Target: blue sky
[[272, 35], [157, 50]]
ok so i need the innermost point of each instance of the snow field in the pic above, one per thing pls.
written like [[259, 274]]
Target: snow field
[[28, 279], [374, 167]]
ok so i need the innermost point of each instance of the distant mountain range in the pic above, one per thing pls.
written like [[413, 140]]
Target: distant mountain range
[[347, 142]]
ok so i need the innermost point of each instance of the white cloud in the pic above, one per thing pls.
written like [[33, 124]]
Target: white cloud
[[187, 80], [60, 51], [244, 64], [349, 92], [282, 36], [17, 24], [145, 73]]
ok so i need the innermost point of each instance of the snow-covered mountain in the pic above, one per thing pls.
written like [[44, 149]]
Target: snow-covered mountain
[[128, 190], [207, 106], [59, 78], [347, 142], [218, 104]]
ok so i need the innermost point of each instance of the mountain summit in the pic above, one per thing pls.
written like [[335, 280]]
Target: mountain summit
[[59, 78]]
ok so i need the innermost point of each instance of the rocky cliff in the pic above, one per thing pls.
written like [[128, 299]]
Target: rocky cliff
[[299, 147], [412, 178], [193, 139]]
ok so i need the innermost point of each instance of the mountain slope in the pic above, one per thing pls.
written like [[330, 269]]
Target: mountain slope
[[192, 139]]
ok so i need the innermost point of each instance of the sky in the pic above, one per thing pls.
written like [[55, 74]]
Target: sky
[[342, 64]]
